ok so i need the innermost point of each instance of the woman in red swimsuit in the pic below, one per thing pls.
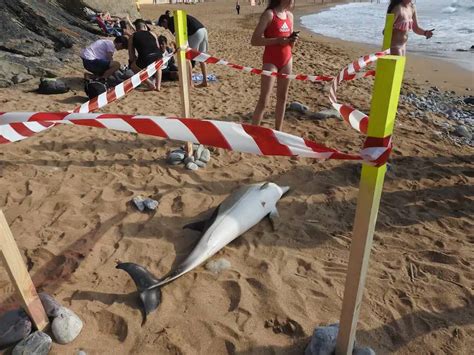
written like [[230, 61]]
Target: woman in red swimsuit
[[275, 32]]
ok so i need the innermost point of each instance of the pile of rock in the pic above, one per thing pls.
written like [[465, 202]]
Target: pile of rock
[[199, 159], [16, 326], [457, 109]]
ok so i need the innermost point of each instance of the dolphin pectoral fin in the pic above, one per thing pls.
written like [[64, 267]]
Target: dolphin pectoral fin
[[196, 226], [145, 282], [201, 226], [274, 217]]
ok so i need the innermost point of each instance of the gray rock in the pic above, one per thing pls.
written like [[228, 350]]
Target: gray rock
[[331, 113], [27, 47], [138, 201], [192, 166], [14, 326], [8, 69], [323, 342], [462, 131], [198, 152], [37, 343], [200, 163], [298, 107], [81, 352], [176, 157], [469, 100], [150, 204], [189, 160], [51, 306], [66, 326], [21, 78], [205, 155], [5, 83]]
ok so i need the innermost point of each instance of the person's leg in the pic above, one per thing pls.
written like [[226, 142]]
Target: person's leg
[[265, 90], [113, 67], [204, 75], [282, 94], [158, 80], [147, 82]]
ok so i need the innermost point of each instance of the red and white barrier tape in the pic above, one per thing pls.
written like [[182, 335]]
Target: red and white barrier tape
[[197, 56], [228, 135], [357, 119], [122, 89]]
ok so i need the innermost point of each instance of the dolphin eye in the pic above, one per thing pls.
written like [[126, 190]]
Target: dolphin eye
[[263, 203]]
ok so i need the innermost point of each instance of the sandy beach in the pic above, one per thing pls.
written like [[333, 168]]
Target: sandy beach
[[66, 194]]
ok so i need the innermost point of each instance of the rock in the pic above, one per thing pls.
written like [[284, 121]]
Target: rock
[[21, 78], [189, 160], [51, 306], [363, 351], [138, 201], [205, 155], [25, 47], [331, 113], [469, 100], [298, 107], [81, 352], [218, 265], [14, 326], [8, 70], [176, 157], [66, 326], [323, 341], [37, 343], [5, 83], [462, 131], [200, 163], [150, 204], [192, 166], [198, 152]]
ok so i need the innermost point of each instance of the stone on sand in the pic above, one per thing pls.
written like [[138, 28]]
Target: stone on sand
[[298, 107], [205, 156], [192, 166], [51, 306], [14, 326], [218, 265], [37, 343], [66, 326]]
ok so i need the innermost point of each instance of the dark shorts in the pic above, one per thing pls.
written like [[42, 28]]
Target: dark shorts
[[143, 62], [96, 66]]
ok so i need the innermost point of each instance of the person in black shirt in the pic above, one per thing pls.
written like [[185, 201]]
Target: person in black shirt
[[197, 38], [144, 43]]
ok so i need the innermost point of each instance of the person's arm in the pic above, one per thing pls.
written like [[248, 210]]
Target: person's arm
[[129, 22], [131, 50], [417, 29], [294, 35], [258, 38]]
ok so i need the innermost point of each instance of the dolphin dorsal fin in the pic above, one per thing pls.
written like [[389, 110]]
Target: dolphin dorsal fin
[[264, 186]]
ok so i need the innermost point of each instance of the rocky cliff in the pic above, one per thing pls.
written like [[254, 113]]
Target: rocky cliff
[[38, 36]]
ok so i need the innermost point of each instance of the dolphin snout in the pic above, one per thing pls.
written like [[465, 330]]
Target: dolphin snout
[[284, 189]]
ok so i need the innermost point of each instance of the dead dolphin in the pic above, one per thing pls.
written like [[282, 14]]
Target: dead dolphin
[[239, 212]]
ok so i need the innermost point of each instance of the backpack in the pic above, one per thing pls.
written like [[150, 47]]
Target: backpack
[[94, 88], [119, 76], [52, 86]]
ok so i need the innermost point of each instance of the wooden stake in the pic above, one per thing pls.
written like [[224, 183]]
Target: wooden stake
[[387, 85], [387, 32], [11, 257], [181, 30]]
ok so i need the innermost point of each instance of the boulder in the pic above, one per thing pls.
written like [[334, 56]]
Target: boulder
[[14, 326], [21, 78], [66, 326], [51, 306], [37, 343]]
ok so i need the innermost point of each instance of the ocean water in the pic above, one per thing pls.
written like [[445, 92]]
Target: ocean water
[[453, 21]]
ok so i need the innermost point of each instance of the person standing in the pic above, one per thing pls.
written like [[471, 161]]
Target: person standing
[[275, 32], [237, 7], [405, 20], [197, 38]]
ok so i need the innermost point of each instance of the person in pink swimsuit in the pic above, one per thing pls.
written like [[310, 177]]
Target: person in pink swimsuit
[[405, 20], [275, 32]]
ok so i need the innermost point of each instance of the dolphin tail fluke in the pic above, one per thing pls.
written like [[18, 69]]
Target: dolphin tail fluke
[[145, 281]]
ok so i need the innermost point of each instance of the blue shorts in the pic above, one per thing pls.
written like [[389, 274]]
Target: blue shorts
[[96, 66]]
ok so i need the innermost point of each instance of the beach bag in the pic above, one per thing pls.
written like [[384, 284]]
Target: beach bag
[[119, 76], [52, 86], [94, 88]]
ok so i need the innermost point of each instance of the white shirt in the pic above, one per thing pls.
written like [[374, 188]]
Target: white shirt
[[103, 49]]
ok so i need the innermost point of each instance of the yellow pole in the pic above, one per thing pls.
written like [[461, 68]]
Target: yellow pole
[[16, 268], [387, 32], [181, 34], [382, 117]]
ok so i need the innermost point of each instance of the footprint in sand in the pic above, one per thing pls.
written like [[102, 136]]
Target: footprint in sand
[[112, 324], [234, 292]]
